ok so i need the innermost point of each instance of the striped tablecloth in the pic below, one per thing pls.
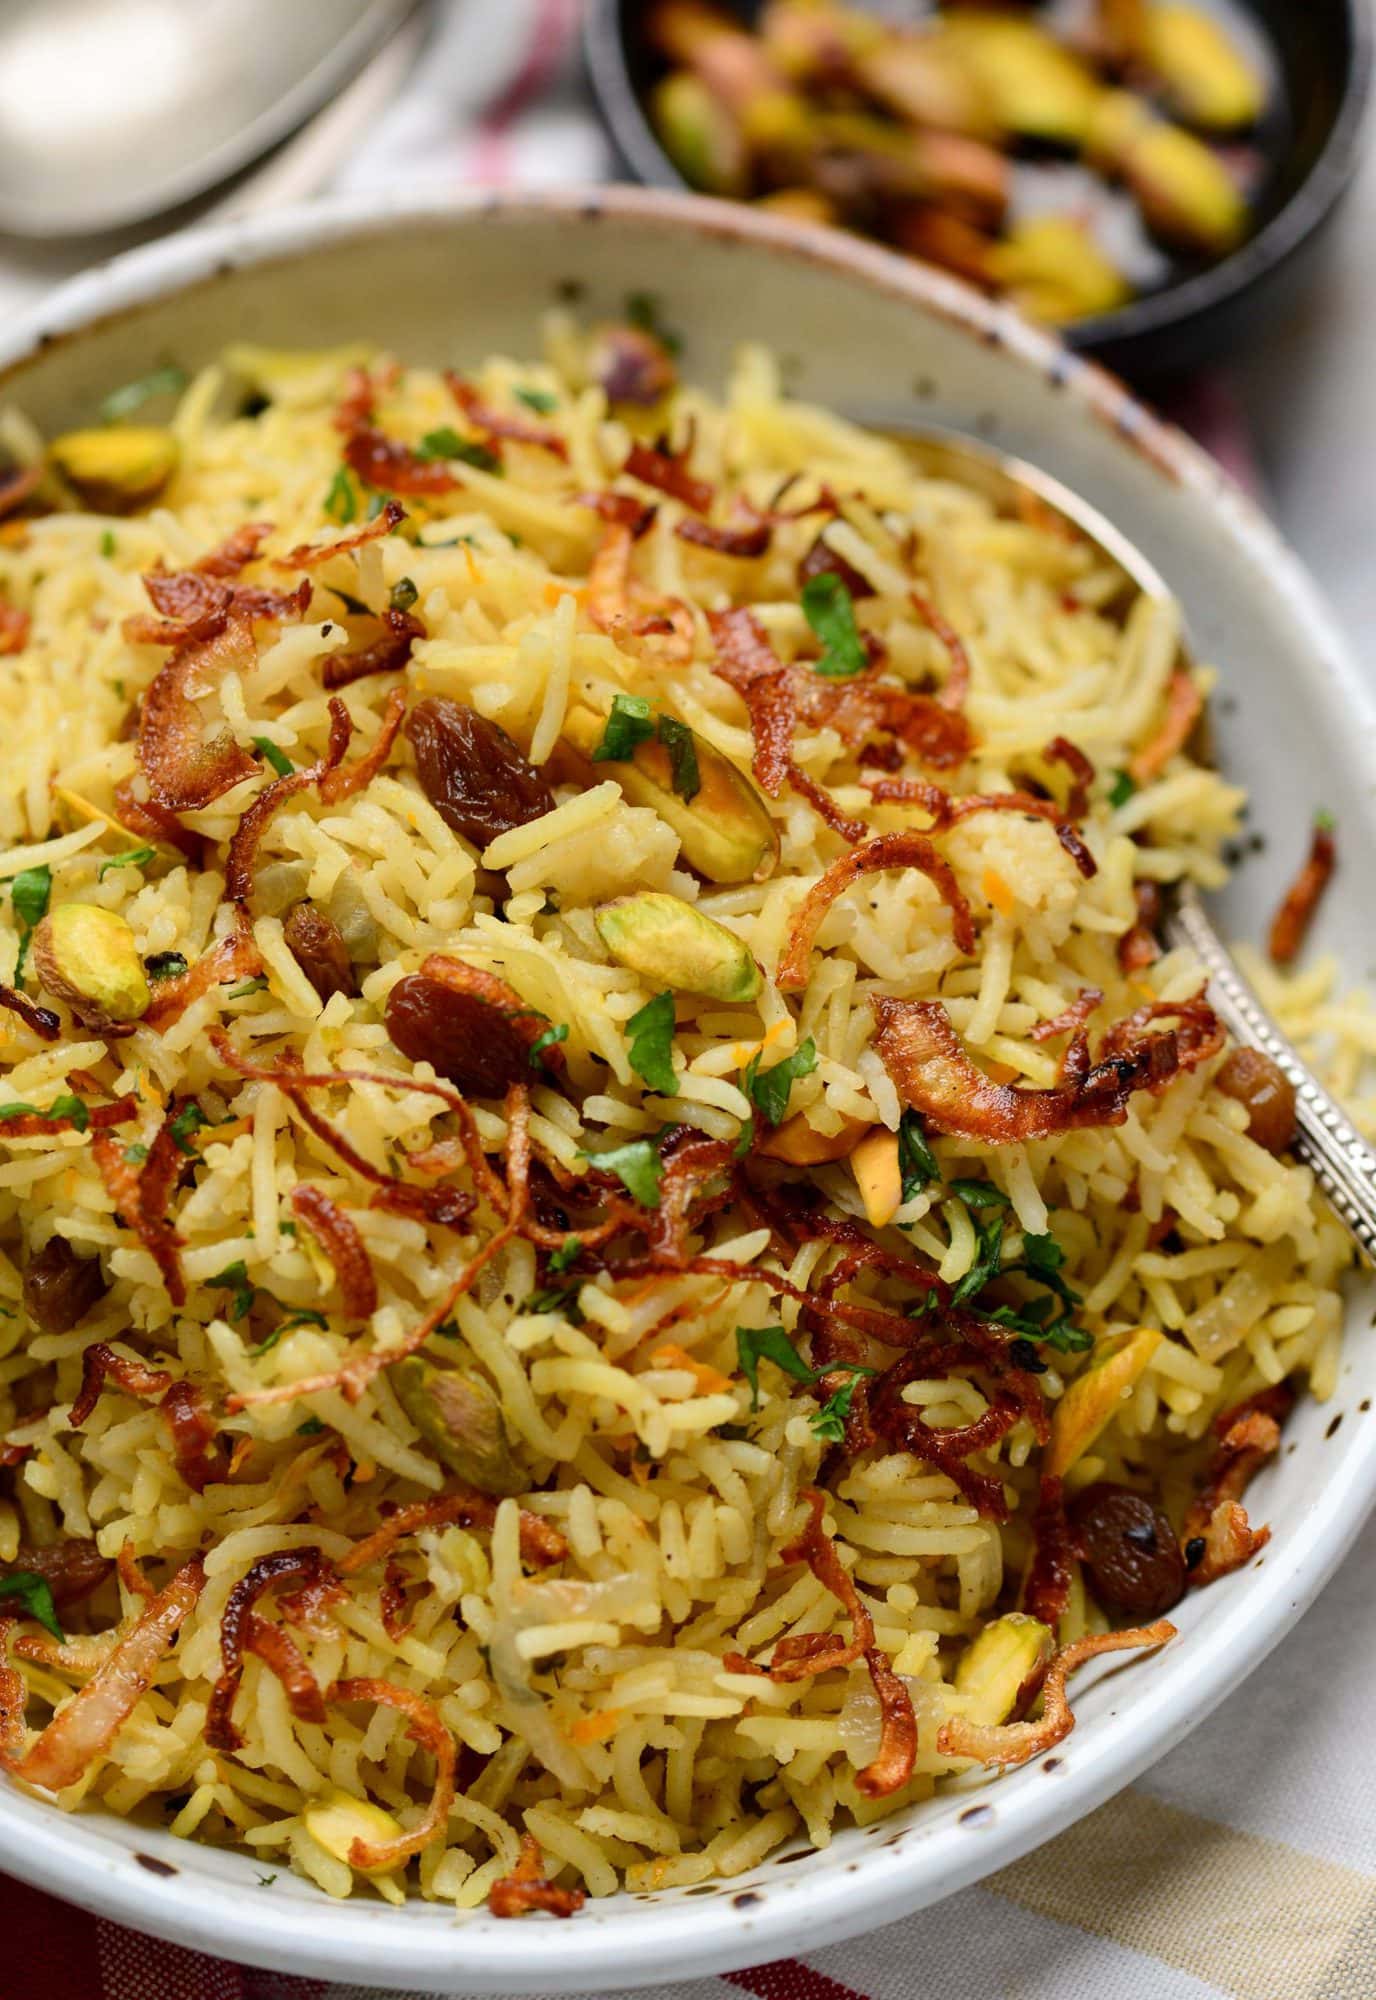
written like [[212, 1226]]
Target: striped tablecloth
[[1243, 1867]]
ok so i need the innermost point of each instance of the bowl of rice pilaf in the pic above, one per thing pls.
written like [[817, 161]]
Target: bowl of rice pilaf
[[624, 1259]]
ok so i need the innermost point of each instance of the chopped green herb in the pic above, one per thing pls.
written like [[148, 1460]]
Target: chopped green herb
[[556, 1298], [988, 1260], [1121, 790], [630, 724], [266, 1881], [18, 1110], [108, 544], [916, 1160], [258, 984], [29, 894], [642, 310], [310, 1429], [132, 857], [539, 400], [296, 1316], [1068, 1338], [234, 1278], [136, 1154], [68, 1106], [552, 1036], [35, 1594], [355, 606], [188, 1120], [830, 611], [165, 965], [768, 1089], [978, 1194], [651, 1035], [768, 1343], [341, 501], [829, 1423], [637, 1166], [746, 1139], [278, 758], [1042, 1259], [121, 403], [446, 443], [403, 594], [678, 740], [1324, 821], [286, 1229], [566, 1254]]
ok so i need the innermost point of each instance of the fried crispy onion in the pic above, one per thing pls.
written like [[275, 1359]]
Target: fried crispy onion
[[309, 555], [232, 957], [424, 1727], [85, 1727], [884, 850], [957, 685], [182, 1405], [144, 1210], [541, 1542], [337, 1234], [658, 466], [901, 1425], [947, 811], [95, 1117], [40, 1021], [1184, 706], [495, 424], [1290, 925], [239, 1628], [746, 542], [1060, 750], [1004, 1744], [796, 1659], [933, 1074], [526, 1889], [1247, 1435], [184, 770]]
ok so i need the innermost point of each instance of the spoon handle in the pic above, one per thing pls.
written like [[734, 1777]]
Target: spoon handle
[[1326, 1140]]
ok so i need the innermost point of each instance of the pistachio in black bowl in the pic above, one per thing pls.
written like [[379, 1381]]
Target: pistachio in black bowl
[[1141, 173]]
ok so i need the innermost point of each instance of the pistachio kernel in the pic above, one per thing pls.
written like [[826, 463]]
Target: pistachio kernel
[[118, 468], [461, 1420], [87, 956], [669, 943]]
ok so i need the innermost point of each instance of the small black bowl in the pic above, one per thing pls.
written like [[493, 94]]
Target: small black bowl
[[1323, 55]]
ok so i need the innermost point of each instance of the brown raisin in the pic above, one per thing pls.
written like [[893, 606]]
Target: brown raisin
[[471, 771], [632, 366], [316, 945], [1129, 1550], [1261, 1085], [60, 1288], [479, 1046]]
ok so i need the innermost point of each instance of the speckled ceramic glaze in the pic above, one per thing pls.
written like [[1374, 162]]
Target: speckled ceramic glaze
[[449, 283]]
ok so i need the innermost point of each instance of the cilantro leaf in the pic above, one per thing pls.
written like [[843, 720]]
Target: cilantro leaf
[[188, 1120], [630, 724], [1121, 790], [978, 1194], [341, 501], [768, 1089], [121, 403], [768, 1343], [566, 1254], [35, 1594], [447, 443], [234, 1278], [132, 857], [1067, 1338], [136, 1154], [278, 758], [553, 1035], [403, 594], [18, 1110], [29, 893], [108, 544], [916, 1160], [539, 400], [1042, 1260], [830, 610], [651, 1035], [681, 745], [165, 965], [829, 1423], [311, 1428], [556, 1298], [988, 1257], [637, 1166], [69, 1106], [258, 984]]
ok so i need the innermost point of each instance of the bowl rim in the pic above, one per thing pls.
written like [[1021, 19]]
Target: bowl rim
[[423, 1948], [1173, 305]]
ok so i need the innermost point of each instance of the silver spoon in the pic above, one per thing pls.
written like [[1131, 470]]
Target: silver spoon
[[115, 110], [1326, 1140]]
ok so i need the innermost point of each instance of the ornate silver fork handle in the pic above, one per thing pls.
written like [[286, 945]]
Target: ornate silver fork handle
[[1327, 1141]]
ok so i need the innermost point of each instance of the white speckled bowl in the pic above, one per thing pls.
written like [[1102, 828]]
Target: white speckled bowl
[[451, 281]]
